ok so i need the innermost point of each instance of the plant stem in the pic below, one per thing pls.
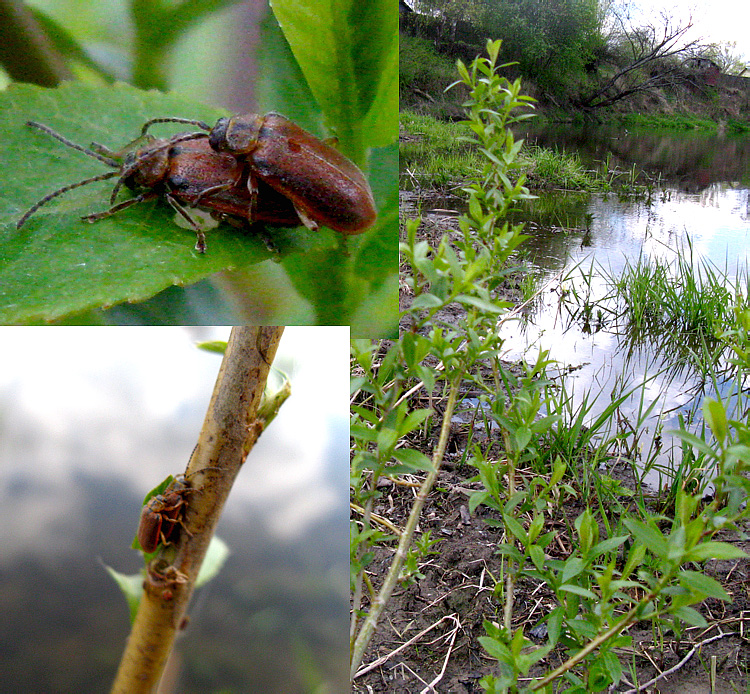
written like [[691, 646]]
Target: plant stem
[[25, 51], [630, 618], [380, 601], [230, 429]]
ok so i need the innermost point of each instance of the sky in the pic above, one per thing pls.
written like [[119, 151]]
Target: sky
[[714, 21]]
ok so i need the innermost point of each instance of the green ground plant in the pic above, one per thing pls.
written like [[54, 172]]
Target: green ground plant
[[643, 566]]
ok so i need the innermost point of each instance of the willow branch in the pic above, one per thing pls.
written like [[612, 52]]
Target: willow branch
[[232, 425], [407, 534]]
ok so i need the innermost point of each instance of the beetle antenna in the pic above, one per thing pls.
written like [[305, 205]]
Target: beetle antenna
[[65, 189], [107, 160], [187, 121]]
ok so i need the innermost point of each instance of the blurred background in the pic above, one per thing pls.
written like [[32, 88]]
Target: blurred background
[[209, 55], [91, 419]]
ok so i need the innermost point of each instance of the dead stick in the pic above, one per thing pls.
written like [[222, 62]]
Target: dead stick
[[682, 663]]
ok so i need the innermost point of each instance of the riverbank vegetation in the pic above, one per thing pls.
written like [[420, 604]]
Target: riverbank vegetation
[[503, 539], [436, 155], [581, 59]]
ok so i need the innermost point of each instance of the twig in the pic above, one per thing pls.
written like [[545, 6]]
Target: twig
[[376, 663], [431, 686], [679, 665], [378, 604], [374, 516]]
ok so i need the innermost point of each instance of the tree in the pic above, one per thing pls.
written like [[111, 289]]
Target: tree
[[552, 40], [645, 58], [728, 58]]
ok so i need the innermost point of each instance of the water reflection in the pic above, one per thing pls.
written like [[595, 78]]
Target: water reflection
[[701, 205], [690, 161], [90, 419]]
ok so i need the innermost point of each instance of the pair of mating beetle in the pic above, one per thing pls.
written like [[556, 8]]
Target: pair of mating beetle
[[162, 513], [245, 170]]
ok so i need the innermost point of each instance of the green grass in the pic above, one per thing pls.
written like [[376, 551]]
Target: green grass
[[682, 297], [663, 121], [435, 156], [433, 153], [547, 168]]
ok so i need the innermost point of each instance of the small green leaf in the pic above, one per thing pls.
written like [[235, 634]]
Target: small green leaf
[[414, 461], [716, 416], [515, 528], [705, 585], [584, 592], [714, 550], [497, 650], [216, 556], [647, 536], [690, 616], [572, 567], [216, 346], [131, 586], [537, 556]]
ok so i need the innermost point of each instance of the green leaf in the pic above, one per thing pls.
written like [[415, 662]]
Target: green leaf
[[572, 567], [537, 556], [131, 586], [496, 649], [215, 346], [216, 556], [647, 536], [413, 461], [716, 416], [66, 44], [714, 550], [584, 592], [348, 53], [515, 528], [690, 616], [705, 585]]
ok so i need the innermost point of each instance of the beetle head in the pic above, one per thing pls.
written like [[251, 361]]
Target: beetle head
[[145, 167], [237, 135]]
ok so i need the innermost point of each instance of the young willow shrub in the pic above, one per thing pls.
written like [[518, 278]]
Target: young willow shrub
[[462, 271]]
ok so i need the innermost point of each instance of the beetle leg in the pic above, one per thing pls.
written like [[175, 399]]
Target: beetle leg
[[207, 192], [166, 519], [252, 188], [200, 243], [309, 223], [119, 206]]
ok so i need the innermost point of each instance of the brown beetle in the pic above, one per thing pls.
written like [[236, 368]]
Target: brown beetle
[[325, 187], [185, 171], [161, 513]]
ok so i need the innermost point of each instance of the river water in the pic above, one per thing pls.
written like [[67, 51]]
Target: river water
[[699, 203]]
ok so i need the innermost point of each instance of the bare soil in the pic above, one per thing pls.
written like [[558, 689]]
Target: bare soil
[[456, 596]]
